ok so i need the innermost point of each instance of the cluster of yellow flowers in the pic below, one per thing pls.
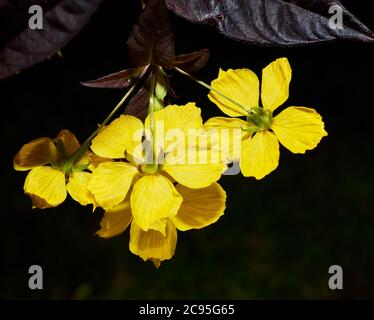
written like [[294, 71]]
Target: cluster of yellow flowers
[[152, 176]]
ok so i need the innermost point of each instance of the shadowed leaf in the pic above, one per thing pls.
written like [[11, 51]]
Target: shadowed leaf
[[273, 22], [22, 47], [117, 80], [151, 40], [138, 105], [192, 62]]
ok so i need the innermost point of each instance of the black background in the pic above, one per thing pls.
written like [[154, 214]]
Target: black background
[[278, 236]]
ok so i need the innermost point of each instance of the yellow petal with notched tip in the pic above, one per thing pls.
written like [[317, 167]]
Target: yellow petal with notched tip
[[46, 187], [153, 198], [152, 245], [200, 208], [276, 78], [123, 134], [240, 85], [115, 221], [36, 153], [110, 183], [172, 123], [178, 117], [70, 142], [259, 155], [78, 188], [299, 129]]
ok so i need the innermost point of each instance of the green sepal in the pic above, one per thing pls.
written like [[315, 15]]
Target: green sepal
[[250, 130], [260, 119], [161, 88], [150, 168], [162, 85], [55, 164], [67, 167]]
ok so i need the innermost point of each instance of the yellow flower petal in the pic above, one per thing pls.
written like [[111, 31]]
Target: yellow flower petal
[[110, 183], [226, 135], [36, 153], [46, 187], [299, 129], [153, 198], [159, 225], [115, 221], [178, 117], [173, 122], [195, 175], [276, 78], [221, 73], [85, 159], [259, 155], [95, 160], [240, 85], [123, 134], [70, 142], [78, 188], [92, 160], [200, 208], [223, 123], [152, 244]]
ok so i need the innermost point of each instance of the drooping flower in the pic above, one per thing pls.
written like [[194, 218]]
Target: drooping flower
[[48, 182], [200, 208], [296, 128], [149, 185]]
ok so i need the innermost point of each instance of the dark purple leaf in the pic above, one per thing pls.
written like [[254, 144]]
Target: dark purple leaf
[[273, 22], [192, 62], [118, 80], [151, 40], [21, 47], [138, 105]]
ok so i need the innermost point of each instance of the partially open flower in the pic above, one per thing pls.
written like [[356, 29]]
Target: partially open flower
[[50, 177]]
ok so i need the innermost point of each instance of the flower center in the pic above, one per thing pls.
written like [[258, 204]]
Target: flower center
[[260, 119], [150, 168]]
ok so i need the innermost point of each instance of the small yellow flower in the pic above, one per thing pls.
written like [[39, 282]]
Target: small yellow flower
[[296, 128], [200, 208], [47, 184], [154, 198]]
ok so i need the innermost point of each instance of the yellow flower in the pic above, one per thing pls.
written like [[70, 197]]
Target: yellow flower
[[47, 184], [154, 198], [296, 128], [200, 208]]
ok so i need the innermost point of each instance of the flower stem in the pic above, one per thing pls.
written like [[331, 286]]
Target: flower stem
[[86, 144], [207, 86], [151, 112]]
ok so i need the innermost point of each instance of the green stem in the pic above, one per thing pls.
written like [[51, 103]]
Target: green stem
[[207, 86], [86, 144], [151, 109]]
